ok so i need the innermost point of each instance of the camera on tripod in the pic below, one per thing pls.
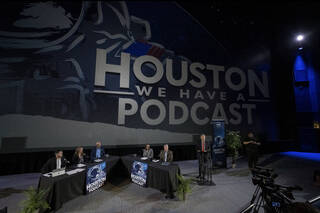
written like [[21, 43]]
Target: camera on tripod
[[261, 175], [269, 195]]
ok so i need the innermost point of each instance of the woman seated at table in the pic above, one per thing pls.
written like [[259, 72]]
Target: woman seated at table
[[148, 152], [78, 156]]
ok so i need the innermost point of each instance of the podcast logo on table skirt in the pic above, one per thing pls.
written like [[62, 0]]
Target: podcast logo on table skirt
[[139, 173], [96, 176]]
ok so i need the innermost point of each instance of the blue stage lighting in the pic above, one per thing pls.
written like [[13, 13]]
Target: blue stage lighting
[[303, 155]]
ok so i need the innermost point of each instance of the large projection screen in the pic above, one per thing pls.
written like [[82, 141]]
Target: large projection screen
[[121, 74]]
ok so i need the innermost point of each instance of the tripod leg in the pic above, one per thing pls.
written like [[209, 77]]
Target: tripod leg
[[258, 204], [255, 194]]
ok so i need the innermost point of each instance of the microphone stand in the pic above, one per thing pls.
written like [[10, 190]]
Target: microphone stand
[[67, 163], [206, 168]]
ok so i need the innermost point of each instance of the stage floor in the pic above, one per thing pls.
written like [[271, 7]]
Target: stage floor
[[232, 191]]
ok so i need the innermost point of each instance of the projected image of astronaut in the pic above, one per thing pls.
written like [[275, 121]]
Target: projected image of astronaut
[[52, 45]]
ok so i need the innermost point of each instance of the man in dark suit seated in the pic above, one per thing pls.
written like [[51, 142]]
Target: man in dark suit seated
[[166, 155], [56, 162], [97, 152], [203, 146]]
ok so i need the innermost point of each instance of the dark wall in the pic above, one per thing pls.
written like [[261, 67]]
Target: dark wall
[[272, 27], [24, 162]]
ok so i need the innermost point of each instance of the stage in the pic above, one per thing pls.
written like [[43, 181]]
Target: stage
[[232, 191]]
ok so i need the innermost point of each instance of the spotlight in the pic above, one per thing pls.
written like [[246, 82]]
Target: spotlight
[[300, 37], [300, 48]]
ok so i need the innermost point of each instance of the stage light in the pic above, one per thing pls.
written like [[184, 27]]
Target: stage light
[[304, 155], [300, 37], [300, 48]]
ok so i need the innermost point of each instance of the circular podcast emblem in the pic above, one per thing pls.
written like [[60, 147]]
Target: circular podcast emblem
[[95, 173], [139, 169]]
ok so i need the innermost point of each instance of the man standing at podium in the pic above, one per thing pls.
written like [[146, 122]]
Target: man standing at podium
[[202, 147]]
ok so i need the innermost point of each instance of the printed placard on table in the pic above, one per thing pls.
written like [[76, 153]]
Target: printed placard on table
[[96, 177], [139, 173]]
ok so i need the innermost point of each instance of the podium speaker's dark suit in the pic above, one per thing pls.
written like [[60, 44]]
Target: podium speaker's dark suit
[[207, 147], [51, 164]]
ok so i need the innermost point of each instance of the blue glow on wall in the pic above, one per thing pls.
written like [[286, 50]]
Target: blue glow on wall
[[313, 78], [300, 69], [299, 63], [307, 97], [302, 94], [303, 155]]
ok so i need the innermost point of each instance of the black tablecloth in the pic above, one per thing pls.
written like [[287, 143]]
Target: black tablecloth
[[161, 177], [66, 187]]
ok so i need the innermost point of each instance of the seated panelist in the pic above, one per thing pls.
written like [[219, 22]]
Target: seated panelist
[[148, 152], [166, 155], [56, 162], [97, 152], [78, 156]]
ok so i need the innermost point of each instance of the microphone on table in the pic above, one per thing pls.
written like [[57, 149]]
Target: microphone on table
[[66, 161]]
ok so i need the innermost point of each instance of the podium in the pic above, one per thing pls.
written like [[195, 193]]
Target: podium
[[206, 169]]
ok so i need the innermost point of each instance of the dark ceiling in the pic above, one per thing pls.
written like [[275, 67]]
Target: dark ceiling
[[239, 24], [248, 29]]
